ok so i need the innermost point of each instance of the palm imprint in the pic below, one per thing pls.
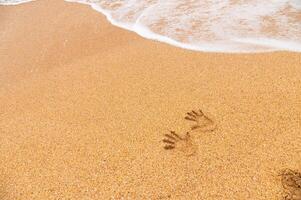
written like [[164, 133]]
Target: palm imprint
[[201, 121], [291, 182], [183, 144]]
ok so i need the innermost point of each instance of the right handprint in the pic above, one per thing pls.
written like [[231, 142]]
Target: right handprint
[[183, 144], [201, 121]]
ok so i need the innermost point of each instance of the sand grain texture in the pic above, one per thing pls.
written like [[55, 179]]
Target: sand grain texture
[[84, 107]]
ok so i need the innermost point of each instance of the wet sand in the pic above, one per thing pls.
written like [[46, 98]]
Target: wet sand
[[84, 107]]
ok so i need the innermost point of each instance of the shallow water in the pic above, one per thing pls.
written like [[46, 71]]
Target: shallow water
[[215, 25]]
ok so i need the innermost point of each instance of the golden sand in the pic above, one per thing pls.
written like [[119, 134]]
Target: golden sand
[[84, 107]]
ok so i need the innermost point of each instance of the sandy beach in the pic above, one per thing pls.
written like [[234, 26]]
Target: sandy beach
[[84, 107]]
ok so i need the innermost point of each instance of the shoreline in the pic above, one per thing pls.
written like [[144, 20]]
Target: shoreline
[[255, 43]]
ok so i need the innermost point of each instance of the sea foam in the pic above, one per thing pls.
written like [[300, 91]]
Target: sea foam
[[245, 26], [13, 2]]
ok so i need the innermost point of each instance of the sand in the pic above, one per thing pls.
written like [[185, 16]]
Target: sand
[[84, 107]]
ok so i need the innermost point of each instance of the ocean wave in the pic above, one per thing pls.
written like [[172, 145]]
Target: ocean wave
[[13, 2], [212, 26]]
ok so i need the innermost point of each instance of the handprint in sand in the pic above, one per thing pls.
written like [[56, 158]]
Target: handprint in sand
[[183, 144], [201, 121], [291, 182]]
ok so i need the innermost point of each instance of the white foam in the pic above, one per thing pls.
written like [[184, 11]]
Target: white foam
[[247, 26], [13, 2]]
